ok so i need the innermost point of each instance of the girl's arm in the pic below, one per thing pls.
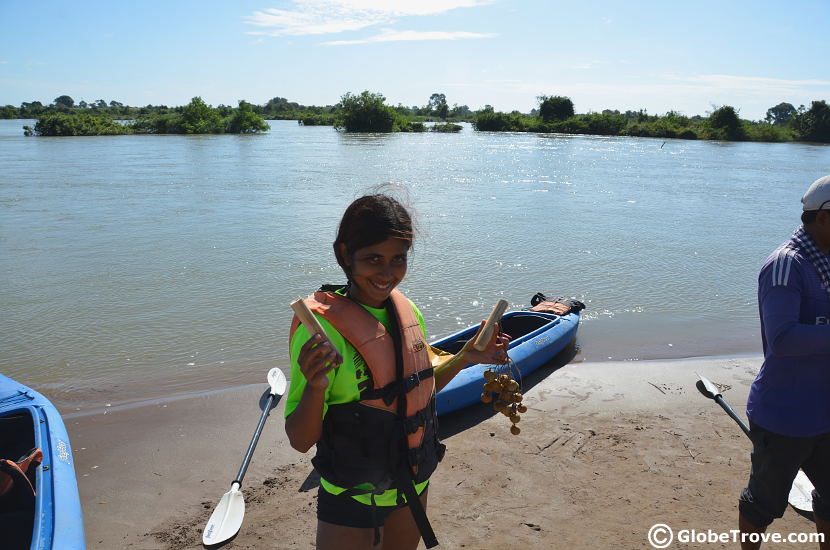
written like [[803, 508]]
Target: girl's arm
[[494, 353], [305, 424]]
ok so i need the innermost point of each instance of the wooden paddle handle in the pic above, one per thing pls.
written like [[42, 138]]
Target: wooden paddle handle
[[308, 319], [487, 332]]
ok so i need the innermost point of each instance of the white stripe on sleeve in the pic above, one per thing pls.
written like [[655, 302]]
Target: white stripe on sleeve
[[781, 268]]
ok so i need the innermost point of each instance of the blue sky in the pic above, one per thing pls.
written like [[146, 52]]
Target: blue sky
[[655, 55]]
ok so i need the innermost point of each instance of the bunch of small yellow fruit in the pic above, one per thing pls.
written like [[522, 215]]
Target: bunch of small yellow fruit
[[503, 392]]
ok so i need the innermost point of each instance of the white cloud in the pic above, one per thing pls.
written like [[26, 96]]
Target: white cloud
[[4, 62], [309, 17], [752, 84], [388, 35]]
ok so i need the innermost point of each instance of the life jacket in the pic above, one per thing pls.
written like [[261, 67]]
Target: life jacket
[[390, 437]]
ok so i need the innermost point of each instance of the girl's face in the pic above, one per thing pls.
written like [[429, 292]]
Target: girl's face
[[376, 269]]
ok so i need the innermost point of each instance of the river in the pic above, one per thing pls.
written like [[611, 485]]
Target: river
[[138, 266]]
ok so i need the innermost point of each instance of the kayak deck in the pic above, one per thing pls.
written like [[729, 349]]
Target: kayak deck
[[52, 518]]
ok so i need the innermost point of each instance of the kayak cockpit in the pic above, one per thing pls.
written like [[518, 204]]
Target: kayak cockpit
[[19, 460], [520, 325]]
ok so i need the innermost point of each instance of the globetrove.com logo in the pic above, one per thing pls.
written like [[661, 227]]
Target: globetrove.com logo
[[662, 536]]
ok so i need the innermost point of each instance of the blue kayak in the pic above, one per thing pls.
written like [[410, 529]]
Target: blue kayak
[[40, 508], [537, 338]]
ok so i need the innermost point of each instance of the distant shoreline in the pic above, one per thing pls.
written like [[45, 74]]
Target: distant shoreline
[[367, 113]]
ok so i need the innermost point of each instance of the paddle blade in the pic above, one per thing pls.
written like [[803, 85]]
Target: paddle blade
[[801, 493], [707, 388], [226, 519], [276, 379]]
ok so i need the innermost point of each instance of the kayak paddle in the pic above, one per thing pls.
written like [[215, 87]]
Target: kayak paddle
[[801, 492], [711, 391], [226, 518]]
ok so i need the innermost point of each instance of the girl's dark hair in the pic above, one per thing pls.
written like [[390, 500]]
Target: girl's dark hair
[[371, 220]]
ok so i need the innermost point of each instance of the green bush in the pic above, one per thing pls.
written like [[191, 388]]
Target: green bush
[[489, 121], [243, 120], [59, 124], [762, 131], [366, 112], [168, 123], [724, 124], [403, 125], [599, 124], [447, 128], [553, 108], [316, 120], [199, 118]]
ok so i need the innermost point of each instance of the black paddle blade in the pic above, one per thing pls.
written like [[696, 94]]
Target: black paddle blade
[[701, 387]]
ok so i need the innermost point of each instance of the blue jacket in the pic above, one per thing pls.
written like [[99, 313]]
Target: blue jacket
[[791, 394]]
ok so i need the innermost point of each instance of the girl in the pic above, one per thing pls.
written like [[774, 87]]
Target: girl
[[368, 400]]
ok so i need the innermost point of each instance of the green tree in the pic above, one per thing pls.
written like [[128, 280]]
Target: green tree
[[552, 108], [460, 111], [9, 111], [438, 104], [780, 114], [199, 118], [366, 112], [64, 101], [813, 124], [725, 124], [244, 120]]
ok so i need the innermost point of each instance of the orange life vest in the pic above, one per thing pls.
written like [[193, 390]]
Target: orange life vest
[[376, 345], [390, 437]]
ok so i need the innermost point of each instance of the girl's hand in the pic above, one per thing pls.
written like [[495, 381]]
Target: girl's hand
[[317, 358], [495, 353]]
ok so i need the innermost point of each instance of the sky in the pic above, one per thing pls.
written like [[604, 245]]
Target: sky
[[686, 56]]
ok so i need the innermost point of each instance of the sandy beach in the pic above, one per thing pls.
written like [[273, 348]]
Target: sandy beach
[[606, 451]]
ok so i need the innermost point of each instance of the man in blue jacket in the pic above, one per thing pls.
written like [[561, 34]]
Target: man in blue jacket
[[789, 402]]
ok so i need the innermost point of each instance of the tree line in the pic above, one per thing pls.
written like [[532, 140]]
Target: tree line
[[783, 122], [277, 108], [194, 118], [369, 112]]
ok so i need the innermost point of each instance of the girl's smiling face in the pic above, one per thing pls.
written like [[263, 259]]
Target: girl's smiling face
[[376, 270]]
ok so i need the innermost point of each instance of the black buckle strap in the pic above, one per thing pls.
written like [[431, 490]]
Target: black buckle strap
[[392, 390], [414, 457], [418, 513], [412, 423]]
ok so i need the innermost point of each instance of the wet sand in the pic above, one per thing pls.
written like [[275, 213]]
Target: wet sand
[[606, 451]]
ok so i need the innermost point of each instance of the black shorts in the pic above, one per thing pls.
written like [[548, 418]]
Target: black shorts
[[348, 512], [776, 460]]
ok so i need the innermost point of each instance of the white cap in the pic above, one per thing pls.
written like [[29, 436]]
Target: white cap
[[817, 196]]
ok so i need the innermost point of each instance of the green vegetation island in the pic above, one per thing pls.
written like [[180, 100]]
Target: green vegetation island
[[368, 112]]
